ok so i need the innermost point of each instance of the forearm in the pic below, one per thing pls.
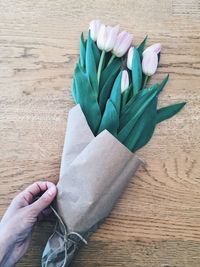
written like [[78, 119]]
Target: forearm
[[5, 249]]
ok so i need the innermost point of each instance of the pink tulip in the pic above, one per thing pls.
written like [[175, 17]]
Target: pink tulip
[[124, 81], [94, 28], [130, 57], [122, 44], [107, 37], [101, 38], [154, 48], [111, 37], [149, 63]]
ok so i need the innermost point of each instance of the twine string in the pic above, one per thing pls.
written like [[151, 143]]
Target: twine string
[[65, 236]]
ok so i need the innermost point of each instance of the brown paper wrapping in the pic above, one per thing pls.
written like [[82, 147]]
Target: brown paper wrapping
[[94, 172]]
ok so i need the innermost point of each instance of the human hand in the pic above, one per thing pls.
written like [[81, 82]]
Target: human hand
[[17, 223]]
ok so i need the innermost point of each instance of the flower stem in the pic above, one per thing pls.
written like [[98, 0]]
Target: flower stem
[[101, 61], [145, 81], [111, 59]]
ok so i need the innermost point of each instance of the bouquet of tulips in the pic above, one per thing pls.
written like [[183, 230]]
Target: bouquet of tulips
[[115, 115]]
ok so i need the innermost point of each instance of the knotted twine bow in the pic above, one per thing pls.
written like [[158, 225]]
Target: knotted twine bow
[[65, 236]]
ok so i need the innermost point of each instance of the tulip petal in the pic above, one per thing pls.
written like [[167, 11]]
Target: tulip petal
[[111, 36], [101, 37], [130, 58], [153, 48], [124, 81], [149, 63], [94, 28], [122, 44]]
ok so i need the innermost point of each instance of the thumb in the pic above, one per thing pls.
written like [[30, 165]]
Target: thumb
[[45, 200]]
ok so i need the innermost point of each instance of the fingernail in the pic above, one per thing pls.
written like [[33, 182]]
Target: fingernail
[[51, 191]]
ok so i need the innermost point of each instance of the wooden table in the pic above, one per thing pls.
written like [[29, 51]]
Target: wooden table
[[157, 220]]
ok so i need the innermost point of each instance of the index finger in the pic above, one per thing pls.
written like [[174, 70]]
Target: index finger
[[27, 196]]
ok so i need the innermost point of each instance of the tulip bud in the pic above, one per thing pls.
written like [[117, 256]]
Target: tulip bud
[[111, 36], [122, 44], [154, 48], [107, 37], [94, 28], [124, 81], [149, 63], [101, 38], [130, 57]]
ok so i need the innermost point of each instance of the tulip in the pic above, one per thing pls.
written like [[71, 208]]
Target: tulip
[[105, 41], [130, 58], [94, 28], [154, 48], [111, 37], [101, 38], [107, 37], [149, 63], [124, 81], [122, 44]]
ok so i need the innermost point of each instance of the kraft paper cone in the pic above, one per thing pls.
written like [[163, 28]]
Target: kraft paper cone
[[78, 136], [94, 172]]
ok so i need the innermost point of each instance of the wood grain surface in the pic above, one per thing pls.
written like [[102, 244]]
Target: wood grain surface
[[156, 223]]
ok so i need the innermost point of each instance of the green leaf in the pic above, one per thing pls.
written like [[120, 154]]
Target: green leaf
[[91, 69], [82, 51], [110, 119], [142, 46], [162, 84], [74, 90], [110, 70], [87, 98], [169, 111], [137, 112], [126, 96], [115, 96], [153, 87], [96, 53], [144, 128], [111, 73], [136, 72], [135, 103]]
